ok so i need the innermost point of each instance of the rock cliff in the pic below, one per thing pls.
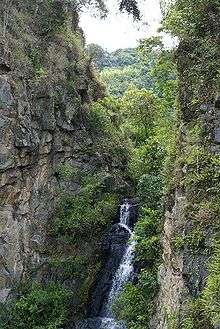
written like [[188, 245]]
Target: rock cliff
[[46, 86], [192, 212]]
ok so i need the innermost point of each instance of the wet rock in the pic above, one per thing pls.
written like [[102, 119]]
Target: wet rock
[[195, 272], [114, 246]]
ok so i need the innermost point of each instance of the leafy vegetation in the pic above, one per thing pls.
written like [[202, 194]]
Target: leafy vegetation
[[144, 142], [211, 294], [135, 304], [130, 6], [146, 117], [91, 209], [196, 24], [121, 68], [38, 307]]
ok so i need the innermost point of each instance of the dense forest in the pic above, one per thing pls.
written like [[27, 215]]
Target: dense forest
[[83, 129]]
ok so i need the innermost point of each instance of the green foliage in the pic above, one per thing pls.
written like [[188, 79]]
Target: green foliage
[[119, 58], [75, 232], [105, 121], [196, 24], [67, 171], [178, 242], [129, 6], [149, 45], [53, 17], [121, 69], [91, 209], [195, 240], [201, 167], [194, 317], [135, 305], [150, 190], [104, 117], [146, 159], [192, 19], [38, 307], [211, 293], [70, 266], [75, 41], [147, 237], [119, 79], [164, 75], [172, 320], [139, 110]]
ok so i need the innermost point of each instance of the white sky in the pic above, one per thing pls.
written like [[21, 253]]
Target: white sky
[[118, 30]]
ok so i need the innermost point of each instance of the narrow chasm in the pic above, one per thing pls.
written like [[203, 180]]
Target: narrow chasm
[[109, 164]]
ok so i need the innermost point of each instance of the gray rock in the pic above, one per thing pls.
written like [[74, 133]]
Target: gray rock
[[4, 294], [25, 135], [6, 98], [6, 161]]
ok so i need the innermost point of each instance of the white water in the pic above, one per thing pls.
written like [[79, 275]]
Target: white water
[[125, 270], [124, 213], [122, 276]]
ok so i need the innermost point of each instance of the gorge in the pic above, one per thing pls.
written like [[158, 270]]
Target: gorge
[[84, 130]]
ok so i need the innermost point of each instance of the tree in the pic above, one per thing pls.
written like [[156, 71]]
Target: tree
[[130, 6], [98, 55]]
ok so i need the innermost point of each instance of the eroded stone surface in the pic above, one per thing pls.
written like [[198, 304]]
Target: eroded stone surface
[[41, 127]]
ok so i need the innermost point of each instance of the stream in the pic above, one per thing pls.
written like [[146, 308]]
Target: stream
[[116, 272]]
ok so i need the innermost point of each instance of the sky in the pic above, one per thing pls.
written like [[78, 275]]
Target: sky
[[118, 30]]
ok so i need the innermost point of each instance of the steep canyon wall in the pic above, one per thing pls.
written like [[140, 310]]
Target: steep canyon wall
[[46, 86]]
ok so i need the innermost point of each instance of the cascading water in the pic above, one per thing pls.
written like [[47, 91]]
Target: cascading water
[[126, 268], [117, 272]]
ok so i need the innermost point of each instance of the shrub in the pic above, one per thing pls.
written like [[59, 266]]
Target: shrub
[[79, 216], [135, 305], [53, 17], [150, 190], [91, 209], [211, 293], [147, 237], [67, 171], [38, 307], [146, 159], [194, 316], [148, 249]]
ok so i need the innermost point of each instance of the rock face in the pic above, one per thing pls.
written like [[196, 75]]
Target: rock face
[[191, 218], [171, 272], [46, 85]]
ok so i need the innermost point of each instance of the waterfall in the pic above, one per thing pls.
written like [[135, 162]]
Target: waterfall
[[125, 270], [117, 271]]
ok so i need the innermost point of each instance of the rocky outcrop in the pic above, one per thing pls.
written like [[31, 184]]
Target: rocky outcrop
[[191, 212], [46, 85]]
